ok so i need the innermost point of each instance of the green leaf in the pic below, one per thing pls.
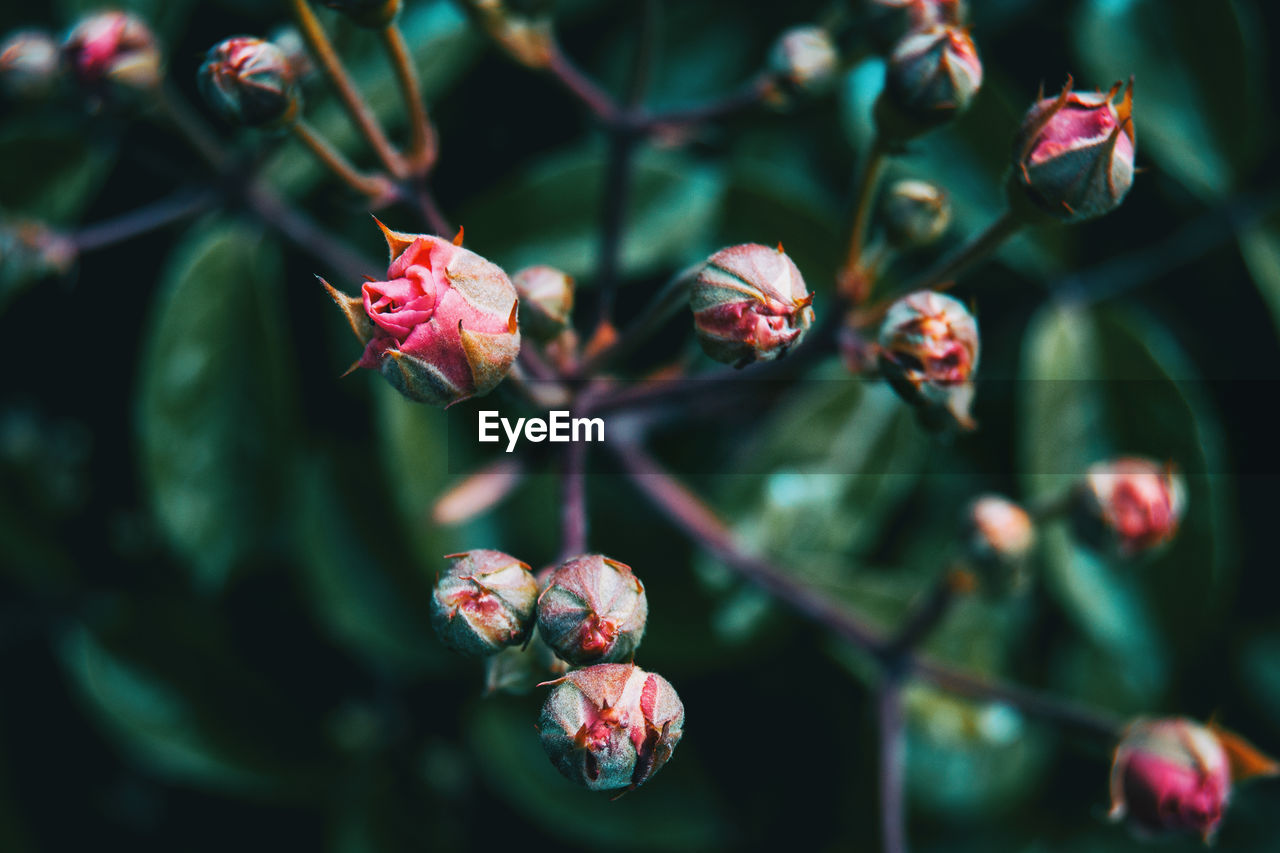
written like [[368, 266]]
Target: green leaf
[[216, 415], [61, 168], [1260, 247]]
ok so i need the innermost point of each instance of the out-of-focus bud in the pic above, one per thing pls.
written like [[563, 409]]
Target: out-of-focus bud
[[249, 81], [442, 327], [611, 726], [113, 50], [289, 41], [749, 304], [546, 300], [805, 59], [1073, 155], [30, 250], [593, 610], [484, 602], [889, 20], [929, 353], [915, 213], [30, 65], [374, 14], [932, 77], [1129, 504], [523, 28], [1000, 536]]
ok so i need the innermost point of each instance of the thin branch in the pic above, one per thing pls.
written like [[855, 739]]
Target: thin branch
[[868, 181], [893, 759], [277, 214], [944, 274], [580, 85], [378, 187], [925, 616], [177, 207], [748, 97], [423, 145], [573, 511], [194, 128], [659, 309], [430, 211]]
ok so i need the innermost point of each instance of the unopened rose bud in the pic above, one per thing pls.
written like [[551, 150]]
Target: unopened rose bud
[[110, 51], [29, 64], [249, 81], [1000, 536], [932, 77], [749, 304], [1170, 776], [611, 726], [1131, 504], [484, 602], [593, 610], [915, 213], [289, 41], [546, 300], [374, 14], [929, 353], [442, 327], [805, 59], [1073, 155]]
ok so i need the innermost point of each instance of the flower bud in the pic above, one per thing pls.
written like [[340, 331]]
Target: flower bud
[[374, 14], [287, 38], [593, 610], [916, 213], [522, 28], [1170, 776], [889, 20], [611, 726], [805, 59], [1000, 536], [929, 352], [546, 300], [113, 50], [29, 64], [484, 602], [1131, 504], [749, 304], [249, 81], [932, 77], [442, 327]]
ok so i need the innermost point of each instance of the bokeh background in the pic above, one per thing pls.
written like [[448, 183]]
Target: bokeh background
[[216, 556]]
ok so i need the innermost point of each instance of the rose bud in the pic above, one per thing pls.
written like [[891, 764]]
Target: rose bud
[[592, 610], [29, 64], [1073, 155], [249, 81], [999, 538], [546, 300], [442, 327], [484, 602], [805, 59], [929, 352], [932, 77], [611, 726], [374, 14], [915, 213], [1129, 504], [749, 304], [113, 50]]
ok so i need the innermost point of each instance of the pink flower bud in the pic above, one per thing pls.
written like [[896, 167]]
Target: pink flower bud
[[805, 59], [1132, 503], [611, 726], [249, 81], [593, 610], [442, 327], [1000, 538], [932, 77], [546, 300], [113, 49], [915, 213], [1170, 775], [749, 304], [929, 352], [29, 64], [1073, 154], [484, 602]]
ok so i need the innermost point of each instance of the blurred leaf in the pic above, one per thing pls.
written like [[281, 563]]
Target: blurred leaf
[[61, 168], [1259, 673], [1260, 246], [216, 416], [1196, 78]]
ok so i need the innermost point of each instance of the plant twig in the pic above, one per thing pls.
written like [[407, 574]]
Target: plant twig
[[573, 511], [580, 85], [377, 187], [944, 274], [177, 207], [277, 214], [664, 303], [893, 756], [868, 181], [194, 128], [430, 210], [423, 145], [748, 97]]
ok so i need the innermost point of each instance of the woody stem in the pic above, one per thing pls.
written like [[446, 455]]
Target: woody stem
[[422, 144], [374, 186]]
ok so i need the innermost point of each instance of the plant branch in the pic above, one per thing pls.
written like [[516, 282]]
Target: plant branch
[[893, 754], [925, 616], [868, 181], [666, 302], [378, 187], [430, 210], [302, 231], [190, 124], [423, 145], [944, 274], [749, 96], [573, 512], [177, 207], [580, 85]]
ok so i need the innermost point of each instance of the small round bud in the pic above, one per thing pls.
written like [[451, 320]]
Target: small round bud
[[915, 213], [546, 300], [287, 38], [805, 59], [483, 603], [929, 352], [932, 77], [749, 304], [1000, 536], [1129, 505], [442, 327], [611, 726], [111, 51], [522, 27], [1170, 776], [593, 610], [29, 64], [1073, 155], [374, 14], [249, 81]]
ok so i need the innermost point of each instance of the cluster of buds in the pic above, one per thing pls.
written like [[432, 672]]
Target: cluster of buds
[[30, 64], [111, 53], [442, 327], [929, 353], [546, 300], [915, 214], [250, 81], [1129, 505], [374, 14], [749, 304], [933, 75], [805, 60]]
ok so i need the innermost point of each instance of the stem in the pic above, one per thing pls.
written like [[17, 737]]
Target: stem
[[868, 181], [893, 754], [275, 213], [667, 301], [423, 145], [749, 96], [580, 85], [156, 215], [356, 106], [431, 212], [377, 187], [617, 191], [190, 124], [924, 617], [944, 274], [573, 513]]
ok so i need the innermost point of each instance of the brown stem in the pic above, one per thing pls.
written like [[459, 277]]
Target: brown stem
[[749, 96], [893, 760], [580, 85], [377, 187], [192, 126], [302, 231], [868, 181], [943, 275], [423, 145], [573, 512], [167, 211]]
